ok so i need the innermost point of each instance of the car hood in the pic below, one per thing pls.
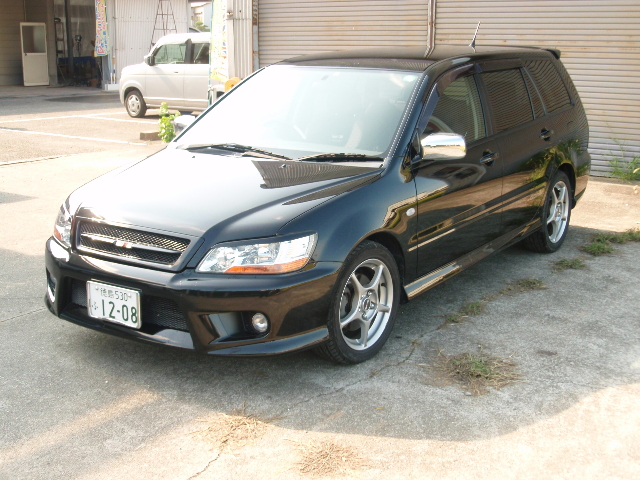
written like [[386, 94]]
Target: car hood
[[218, 196], [136, 69]]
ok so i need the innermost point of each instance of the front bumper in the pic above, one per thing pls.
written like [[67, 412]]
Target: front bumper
[[184, 309]]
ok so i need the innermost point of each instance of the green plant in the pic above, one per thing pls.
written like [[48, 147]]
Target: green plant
[[523, 285], [167, 130], [623, 168], [476, 372], [201, 27], [602, 241], [568, 264]]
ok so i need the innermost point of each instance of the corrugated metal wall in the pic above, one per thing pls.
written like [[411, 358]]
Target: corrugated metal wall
[[11, 14], [133, 27], [600, 44], [242, 24], [288, 28]]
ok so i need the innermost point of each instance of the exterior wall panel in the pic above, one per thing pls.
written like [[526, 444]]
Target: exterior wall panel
[[133, 22], [600, 44], [287, 29], [11, 14]]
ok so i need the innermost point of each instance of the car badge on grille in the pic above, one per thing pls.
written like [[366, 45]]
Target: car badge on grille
[[120, 243]]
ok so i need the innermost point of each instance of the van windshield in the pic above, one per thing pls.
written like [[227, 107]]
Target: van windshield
[[300, 111]]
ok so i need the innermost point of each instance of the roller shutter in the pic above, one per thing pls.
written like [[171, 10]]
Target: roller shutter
[[600, 44], [288, 28]]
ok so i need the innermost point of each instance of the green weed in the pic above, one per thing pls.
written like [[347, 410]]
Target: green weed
[[568, 264]]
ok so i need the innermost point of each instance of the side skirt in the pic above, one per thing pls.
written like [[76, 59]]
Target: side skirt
[[438, 276]]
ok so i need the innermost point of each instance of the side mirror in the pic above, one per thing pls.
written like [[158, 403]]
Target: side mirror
[[182, 122], [148, 59], [443, 146]]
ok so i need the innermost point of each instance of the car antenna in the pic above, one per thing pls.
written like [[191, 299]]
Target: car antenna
[[473, 42]]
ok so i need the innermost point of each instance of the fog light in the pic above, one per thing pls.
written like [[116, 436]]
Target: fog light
[[260, 323]]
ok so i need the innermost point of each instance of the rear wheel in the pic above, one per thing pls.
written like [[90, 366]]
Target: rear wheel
[[555, 217], [364, 305], [135, 105]]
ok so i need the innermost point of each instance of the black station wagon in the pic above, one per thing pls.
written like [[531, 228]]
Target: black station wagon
[[311, 200]]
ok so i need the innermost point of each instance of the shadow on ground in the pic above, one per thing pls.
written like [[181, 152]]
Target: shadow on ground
[[588, 343]]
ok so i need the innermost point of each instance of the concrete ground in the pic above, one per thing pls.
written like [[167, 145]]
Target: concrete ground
[[78, 404]]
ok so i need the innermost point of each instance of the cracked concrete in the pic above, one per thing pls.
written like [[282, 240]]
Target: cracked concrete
[[576, 414]]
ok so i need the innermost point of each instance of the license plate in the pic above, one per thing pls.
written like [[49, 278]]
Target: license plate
[[114, 304]]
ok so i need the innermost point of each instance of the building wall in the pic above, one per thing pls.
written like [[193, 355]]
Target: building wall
[[11, 14], [132, 25], [600, 44]]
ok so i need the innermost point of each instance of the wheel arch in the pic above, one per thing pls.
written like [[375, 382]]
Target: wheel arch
[[389, 242], [568, 169]]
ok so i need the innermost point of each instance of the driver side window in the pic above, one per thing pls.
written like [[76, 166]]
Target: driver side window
[[459, 111], [173, 53]]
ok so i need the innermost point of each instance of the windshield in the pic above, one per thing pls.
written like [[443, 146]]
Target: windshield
[[302, 111]]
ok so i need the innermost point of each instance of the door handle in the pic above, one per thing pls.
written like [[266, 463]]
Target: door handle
[[489, 157], [545, 134]]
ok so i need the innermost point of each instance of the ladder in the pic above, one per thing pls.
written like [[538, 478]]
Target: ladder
[[164, 21]]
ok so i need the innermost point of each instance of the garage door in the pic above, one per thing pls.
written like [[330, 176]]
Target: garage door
[[600, 43], [287, 28]]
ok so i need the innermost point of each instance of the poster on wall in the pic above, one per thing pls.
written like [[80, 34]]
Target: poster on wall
[[218, 50], [102, 39]]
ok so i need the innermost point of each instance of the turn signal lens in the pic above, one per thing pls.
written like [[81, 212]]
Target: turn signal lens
[[276, 257]]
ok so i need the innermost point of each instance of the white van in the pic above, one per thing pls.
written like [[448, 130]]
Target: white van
[[175, 71]]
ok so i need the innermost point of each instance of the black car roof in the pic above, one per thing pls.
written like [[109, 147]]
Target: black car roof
[[416, 59]]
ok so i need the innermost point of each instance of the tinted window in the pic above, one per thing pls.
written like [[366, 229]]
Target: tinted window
[[535, 97], [170, 53], [553, 91], [508, 98], [459, 111], [201, 53]]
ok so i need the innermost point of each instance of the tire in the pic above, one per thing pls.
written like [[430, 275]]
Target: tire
[[366, 296], [555, 217], [134, 104]]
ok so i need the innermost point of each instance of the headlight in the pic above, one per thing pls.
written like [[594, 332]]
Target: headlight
[[62, 230], [277, 257]]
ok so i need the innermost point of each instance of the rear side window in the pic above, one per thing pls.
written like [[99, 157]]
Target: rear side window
[[459, 111], [508, 98], [552, 88], [200, 53]]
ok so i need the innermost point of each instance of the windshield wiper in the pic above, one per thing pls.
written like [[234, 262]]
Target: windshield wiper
[[234, 147], [340, 157]]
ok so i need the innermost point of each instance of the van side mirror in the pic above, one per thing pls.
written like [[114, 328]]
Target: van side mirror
[[149, 60], [443, 146]]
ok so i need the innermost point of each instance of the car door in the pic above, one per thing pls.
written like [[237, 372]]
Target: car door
[[525, 139], [458, 200], [196, 76], [165, 81]]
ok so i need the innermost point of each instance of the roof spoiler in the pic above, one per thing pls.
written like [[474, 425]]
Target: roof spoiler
[[554, 51]]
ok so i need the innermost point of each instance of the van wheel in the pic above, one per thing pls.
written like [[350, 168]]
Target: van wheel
[[555, 217], [134, 103], [364, 306]]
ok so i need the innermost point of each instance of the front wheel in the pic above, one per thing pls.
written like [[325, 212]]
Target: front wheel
[[135, 105], [364, 305], [555, 217]]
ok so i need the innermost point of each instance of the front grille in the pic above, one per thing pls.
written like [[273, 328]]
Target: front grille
[[157, 311], [163, 313], [129, 243], [79, 292]]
